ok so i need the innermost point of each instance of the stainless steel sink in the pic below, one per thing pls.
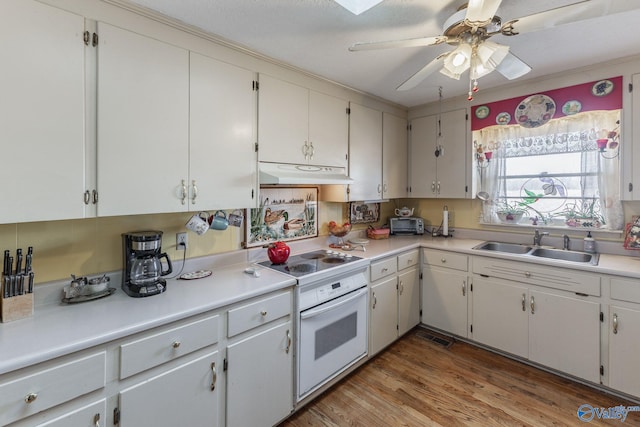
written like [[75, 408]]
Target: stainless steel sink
[[565, 255], [539, 252], [512, 248]]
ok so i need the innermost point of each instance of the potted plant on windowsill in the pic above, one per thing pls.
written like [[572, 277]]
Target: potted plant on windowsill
[[582, 214], [511, 212]]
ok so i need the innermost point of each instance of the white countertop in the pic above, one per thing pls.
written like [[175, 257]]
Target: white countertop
[[58, 329]]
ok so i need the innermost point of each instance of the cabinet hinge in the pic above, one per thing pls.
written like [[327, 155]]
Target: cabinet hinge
[[484, 275], [348, 189], [470, 287], [225, 365], [601, 317], [630, 87], [420, 312], [466, 188], [255, 85], [255, 148], [87, 37], [471, 328], [116, 416], [420, 275], [397, 327], [630, 186], [348, 111], [601, 370], [466, 116], [409, 189], [409, 127], [252, 193]]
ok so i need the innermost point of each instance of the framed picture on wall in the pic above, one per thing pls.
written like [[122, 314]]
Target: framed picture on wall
[[285, 213], [361, 212]]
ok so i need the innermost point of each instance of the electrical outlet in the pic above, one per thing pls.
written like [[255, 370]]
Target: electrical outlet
[[181, 241]]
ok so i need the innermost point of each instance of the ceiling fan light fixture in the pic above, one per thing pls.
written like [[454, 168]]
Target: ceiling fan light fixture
[[458, 61], [446, 72], [491, 54], [357, 6]]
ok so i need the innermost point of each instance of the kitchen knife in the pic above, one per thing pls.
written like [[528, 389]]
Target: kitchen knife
[[10, 276], [18, 261], [27, 263], [6, 285], [30, 282], [5, 266]]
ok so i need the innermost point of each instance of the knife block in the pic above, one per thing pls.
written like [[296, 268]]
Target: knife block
[[17, 307]]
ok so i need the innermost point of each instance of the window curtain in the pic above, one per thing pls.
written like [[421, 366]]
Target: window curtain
[[576, 133]]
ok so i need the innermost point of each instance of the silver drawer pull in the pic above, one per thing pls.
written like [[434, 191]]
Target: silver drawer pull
[[464, 288], [527, 274], [384, 270], [443, 260], [214, 376], [524, 302], [96, 420], [615, 323], [31, 397], [288, 341], [533, 305], [263, 312], [176, 344]]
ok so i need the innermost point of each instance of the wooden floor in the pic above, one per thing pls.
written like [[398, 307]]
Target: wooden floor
[[417, 382]]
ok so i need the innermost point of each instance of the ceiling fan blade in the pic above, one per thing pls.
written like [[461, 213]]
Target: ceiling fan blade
[[512, 67], [567, 14], [422, 74], [419, 41], [480, 12]]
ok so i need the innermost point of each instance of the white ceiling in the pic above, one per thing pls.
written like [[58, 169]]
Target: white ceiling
[[314, 35]]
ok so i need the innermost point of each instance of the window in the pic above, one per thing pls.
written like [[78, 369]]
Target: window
[[563, 173]]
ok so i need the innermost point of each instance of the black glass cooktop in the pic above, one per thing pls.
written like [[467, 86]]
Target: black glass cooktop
[[312, 262]]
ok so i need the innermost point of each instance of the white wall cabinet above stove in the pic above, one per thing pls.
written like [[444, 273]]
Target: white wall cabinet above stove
[[301, 126], [41, 112]]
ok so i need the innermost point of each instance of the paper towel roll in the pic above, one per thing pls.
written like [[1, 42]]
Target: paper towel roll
[[445, 221]]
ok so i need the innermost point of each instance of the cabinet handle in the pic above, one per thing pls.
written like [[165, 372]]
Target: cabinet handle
[[615, 323], [288, 341], [313, 150], [375, 300], [433, 186], [263, 313], [464, 288], [184, 192], [95, 196], [214, 376], [87, 197], [384, 187], [384, 270], [443, 260], [438, 187], [31, 397], [401, 287], [96, 420], [527, 274], [379, 188], [195, 192], [524, 302], [176, 344], [305, 150], [532, 303]]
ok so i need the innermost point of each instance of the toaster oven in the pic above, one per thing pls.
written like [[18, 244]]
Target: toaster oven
[[406, 225]]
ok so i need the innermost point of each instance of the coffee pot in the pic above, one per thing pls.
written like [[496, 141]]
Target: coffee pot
[[143, 269]]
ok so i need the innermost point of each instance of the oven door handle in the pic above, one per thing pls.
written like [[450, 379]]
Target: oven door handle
[[312, 313]]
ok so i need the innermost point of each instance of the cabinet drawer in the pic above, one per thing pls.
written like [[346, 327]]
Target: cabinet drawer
[[625, 290], [408, 259], [445, 259], [94, 414], [142, 354], [258, 313], [46, 388], [383, 268], [536, 274]]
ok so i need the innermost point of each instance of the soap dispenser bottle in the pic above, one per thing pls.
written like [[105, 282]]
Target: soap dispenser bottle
[[589, 244]]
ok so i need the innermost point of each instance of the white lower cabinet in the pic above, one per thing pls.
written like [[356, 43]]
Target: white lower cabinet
[[259, 362], [623, 328], [555, 328], [185, 395], [394, 299], [445, 286]]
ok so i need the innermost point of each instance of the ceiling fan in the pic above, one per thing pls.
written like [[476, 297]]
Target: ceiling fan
[[471, 27]]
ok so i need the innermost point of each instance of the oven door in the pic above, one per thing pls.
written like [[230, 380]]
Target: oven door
[[333, 335]]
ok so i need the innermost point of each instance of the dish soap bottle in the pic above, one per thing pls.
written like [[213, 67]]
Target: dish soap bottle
[[589, 244]]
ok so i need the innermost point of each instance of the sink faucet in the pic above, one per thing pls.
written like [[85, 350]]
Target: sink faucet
[[537, 237], [566, 243]]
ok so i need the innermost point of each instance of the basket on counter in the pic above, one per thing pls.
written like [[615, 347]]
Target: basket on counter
[[378, 233]]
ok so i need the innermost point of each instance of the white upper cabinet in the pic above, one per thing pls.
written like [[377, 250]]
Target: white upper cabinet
[[143, 124], [438, 156], [222, 121], [300, 126], [365, 153], [394, 157], [41, 113]]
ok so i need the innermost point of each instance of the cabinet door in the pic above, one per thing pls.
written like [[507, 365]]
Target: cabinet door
[[186, 395], [143, 123], [394, 157], [328, 130], [408, 300], [283, 121], [41, 113], [444, 300], [451, 169], [422, 160], [365, 153], [260, 378], [383, 319], [500, 316], [624, 347], [222, 117], [564, 334]]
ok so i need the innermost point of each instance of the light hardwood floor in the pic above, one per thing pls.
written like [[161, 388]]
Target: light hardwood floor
[[416, 382]]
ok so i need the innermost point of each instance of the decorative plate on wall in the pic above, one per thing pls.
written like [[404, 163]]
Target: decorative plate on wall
[[482, 112], [503, 118], [602, 88], [571, 107], [534, 111]]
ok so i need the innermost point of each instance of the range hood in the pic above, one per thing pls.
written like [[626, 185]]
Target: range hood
[[280, 173]]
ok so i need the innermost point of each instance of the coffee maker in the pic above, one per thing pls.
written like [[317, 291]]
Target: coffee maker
[[142, 265]]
